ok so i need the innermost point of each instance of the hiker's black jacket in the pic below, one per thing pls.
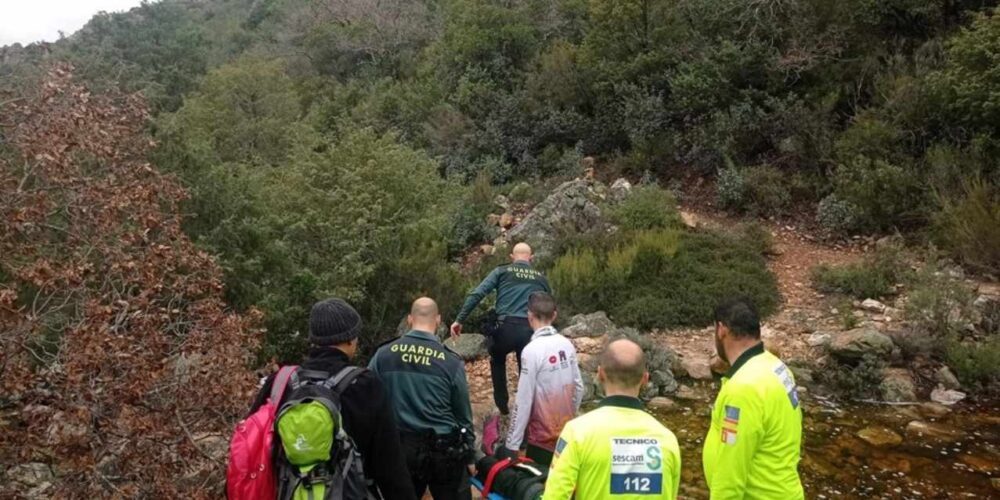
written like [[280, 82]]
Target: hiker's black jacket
[[368, 418]]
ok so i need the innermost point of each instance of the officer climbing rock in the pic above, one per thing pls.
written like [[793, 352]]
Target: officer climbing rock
[[513, 284], [427, 386], [752, 448], [617, 451]]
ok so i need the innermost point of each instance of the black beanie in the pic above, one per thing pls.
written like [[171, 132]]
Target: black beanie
[[332, 322]]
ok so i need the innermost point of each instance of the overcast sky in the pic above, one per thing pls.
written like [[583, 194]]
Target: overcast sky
[[27, 21]]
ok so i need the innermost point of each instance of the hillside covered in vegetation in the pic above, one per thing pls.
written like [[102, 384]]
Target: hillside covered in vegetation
[[269, 153]]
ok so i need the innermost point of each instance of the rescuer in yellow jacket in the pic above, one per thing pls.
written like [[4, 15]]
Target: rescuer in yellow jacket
[[617, 451], [752, 448]]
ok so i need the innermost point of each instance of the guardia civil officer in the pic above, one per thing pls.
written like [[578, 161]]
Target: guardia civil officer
[[514, 283], [617, 451], [752, 448], [427, 386]]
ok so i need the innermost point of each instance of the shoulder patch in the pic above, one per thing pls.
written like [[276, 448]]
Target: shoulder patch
[[560, 445]]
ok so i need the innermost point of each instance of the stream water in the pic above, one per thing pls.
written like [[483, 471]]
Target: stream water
[[960, 460]]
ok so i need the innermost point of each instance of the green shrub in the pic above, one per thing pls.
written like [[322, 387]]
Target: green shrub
[[938, 304], [662, 278], [871, 278], [731, 190], [861, 381], [577, 277], [969, 227], [836, 215], [524, 192], [647, 207], [761, 190], [976, 364], [886, 196], [756, 236], [769, 189]]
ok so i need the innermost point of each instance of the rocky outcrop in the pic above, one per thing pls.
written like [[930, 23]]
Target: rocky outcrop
[[469, 346], [589, 325], [572, 208], [853, 345]]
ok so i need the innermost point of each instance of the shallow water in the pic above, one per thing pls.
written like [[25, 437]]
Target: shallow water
[[836, 463]]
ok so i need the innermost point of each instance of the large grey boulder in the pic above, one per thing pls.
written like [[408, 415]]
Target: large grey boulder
[[469, 346], [588, 325], [855, 344], [572, 208]]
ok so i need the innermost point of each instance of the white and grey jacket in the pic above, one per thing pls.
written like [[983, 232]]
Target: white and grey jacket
[[549, 390]]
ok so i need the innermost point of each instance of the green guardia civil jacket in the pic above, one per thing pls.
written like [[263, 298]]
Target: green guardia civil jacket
[[426, 384], [753, 445], [513, 283]]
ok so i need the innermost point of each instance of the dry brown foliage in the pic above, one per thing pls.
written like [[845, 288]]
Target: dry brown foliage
[[120, 367]]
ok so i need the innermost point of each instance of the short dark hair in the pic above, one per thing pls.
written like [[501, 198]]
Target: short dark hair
[[623, 369], [740, 316], [542, 305]]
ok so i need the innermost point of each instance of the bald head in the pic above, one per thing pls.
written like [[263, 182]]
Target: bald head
[[623, 365], [424, 315], [521, 252]]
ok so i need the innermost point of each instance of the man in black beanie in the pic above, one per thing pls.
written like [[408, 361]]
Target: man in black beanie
[[368, 415]]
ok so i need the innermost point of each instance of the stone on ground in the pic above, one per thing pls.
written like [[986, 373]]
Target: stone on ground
[[947, 378], [946, 397], [852, 345], [880, 436], [660, 403], [697, 367], [932, 432], [897, 386], [589, 325]]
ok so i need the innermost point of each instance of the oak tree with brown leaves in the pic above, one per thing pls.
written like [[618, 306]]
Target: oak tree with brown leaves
[[121, 368]]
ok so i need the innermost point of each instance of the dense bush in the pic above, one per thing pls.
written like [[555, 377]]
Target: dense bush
[[884, 196], [977, 364], [873, 277], [860, 381], [662, 278], [647, 207], [867, 106], [969, 226], [937, 303], [760, 190]]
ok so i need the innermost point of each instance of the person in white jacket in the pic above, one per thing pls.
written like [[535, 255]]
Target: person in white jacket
[[550, 388]]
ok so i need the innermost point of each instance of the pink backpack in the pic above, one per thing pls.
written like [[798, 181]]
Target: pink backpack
[[250, 474]]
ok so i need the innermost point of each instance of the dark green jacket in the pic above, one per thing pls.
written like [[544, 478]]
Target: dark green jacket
[[513, 283], [426, 384]]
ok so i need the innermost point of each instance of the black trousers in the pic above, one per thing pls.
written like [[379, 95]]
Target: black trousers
[[446, 477], [512, 335]]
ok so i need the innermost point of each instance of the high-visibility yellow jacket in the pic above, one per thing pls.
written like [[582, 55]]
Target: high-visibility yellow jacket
[[752, 448], [617, 451]]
